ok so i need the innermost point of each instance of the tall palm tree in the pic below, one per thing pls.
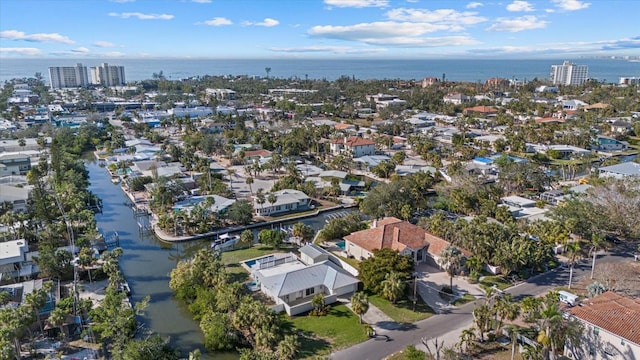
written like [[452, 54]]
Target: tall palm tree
[[230, 173], [288, 348], [596, 243], [550, 318], [450, 260], [360, 304], [272, 198], [57, 318], [467, 338], [393, 286], [249, 181], [574, 252]]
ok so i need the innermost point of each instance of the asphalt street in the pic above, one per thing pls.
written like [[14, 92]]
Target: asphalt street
[[461, 317]]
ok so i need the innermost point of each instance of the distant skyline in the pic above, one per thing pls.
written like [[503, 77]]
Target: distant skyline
[[317, 29]]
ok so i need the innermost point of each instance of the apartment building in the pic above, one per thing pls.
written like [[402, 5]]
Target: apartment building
[[569, 74], [68, 76], [108, 75]]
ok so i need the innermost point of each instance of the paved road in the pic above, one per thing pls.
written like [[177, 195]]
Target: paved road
[[461, 317]]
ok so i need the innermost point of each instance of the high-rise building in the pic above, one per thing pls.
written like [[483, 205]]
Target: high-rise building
[[68, 76], [568, 74], [107, 75]]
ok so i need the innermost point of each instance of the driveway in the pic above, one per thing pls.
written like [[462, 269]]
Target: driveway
[[431, 279]]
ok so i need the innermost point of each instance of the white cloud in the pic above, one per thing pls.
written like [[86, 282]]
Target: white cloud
[[201, 1], [267, 22], [20, 51], [39, 37], [549, 11], [383, 29], [452, 18], [571, 5], [142, 16], [474, 5], [528, 22], [424, 41], [81, 49], [520, 5], [216, 21], [103, 44], [357, 3], [580, 47], [330, 49], [113, 54]]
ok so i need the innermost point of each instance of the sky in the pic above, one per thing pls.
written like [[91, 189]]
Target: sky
[[317, 29]]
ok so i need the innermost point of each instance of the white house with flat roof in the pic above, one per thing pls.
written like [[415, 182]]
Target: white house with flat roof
[[12, 255]]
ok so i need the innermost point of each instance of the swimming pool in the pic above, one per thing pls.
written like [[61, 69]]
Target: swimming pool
[[250, 263], [341, 244]]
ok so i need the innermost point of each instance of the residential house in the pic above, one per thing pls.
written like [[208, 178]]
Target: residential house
[[572, 104], [287, 200], [456, 98], [604, 143], [14, 164], [12, 256], [621, 127], [619, 171], [219, 204], [611, 328], [354, 146], [480, 110], [393, 233], [18, 196], [429, 81], [292, 284]]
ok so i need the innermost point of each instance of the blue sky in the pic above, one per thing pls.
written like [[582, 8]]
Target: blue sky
[[406, 29]]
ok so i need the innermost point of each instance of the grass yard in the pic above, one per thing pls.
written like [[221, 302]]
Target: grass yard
[[340, 328], [490, 280], [463, 299], [402, 310], [236, 256]]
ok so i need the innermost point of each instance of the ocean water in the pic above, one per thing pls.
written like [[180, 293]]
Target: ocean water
[[453, 70]]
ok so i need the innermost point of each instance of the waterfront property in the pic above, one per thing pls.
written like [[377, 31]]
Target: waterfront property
[[395, 234], [287, 200], [292, 282]]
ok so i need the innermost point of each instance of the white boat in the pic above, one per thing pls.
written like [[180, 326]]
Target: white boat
[[115, 180], [225, 241]]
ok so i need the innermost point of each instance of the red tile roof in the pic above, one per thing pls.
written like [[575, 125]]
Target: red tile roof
[[549, 120], [353, 141], [342, 126], [481, 110], [393, 233], [612, 312], [262, 152]]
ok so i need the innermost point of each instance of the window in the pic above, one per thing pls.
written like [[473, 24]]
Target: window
[[310, 291]]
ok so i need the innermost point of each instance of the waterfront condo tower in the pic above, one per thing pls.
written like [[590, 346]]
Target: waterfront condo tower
[[107, 75], [68, 76], [568, 74]]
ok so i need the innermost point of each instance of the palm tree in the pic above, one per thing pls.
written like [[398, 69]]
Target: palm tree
[[450, 259], [288, 348], [230, 173], [596, 243], [514, 332], [467, 338], [393, 286], [260, 198], [550, 318], [574, 253], [249, 181], [482, 319], [272, 198], [57, 318], [360, 304]]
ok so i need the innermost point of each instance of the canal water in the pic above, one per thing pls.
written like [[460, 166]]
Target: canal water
[[147, 263]]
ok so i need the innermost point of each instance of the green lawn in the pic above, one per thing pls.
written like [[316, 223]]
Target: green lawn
[[236, 256], [323, 334], [402, 310], [490, 280], [463, 299]]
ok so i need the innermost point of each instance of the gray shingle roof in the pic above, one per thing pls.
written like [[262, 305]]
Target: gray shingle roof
[[325, 273]]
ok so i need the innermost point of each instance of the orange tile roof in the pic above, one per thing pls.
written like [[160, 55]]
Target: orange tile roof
[[342, 126], [549, 120], [481, 109], [353, 141], [612, 312], [396, 234], [261, 152]]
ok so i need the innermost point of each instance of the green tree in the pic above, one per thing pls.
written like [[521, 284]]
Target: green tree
[[57, 318], [240, 212], [303, 231], [288, 348], [271, 237], [393, 286], [151, 347], [246, 238], [374, 270], [360, 304], [219, 333], [450, 259]]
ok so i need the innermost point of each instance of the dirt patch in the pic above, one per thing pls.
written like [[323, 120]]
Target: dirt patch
[[621, 277]]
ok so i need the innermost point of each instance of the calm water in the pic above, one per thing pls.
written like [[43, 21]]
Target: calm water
[[455, 70], [147, 263]]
